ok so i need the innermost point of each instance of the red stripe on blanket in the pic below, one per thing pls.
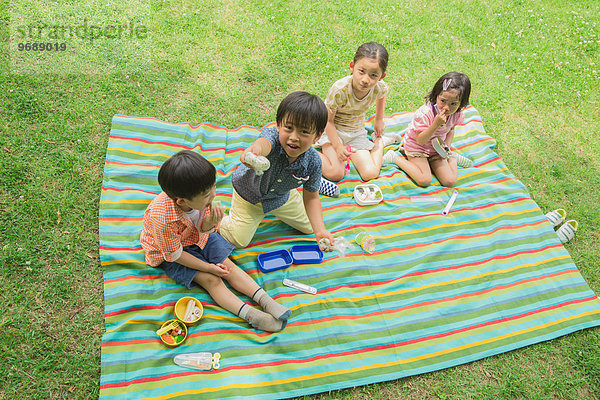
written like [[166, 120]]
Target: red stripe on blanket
[[350, 352]]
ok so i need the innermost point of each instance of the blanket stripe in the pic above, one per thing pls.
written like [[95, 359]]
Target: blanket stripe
[[438, 291]]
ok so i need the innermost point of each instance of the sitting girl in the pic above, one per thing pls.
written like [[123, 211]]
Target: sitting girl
[[347, 103], [436, 119]]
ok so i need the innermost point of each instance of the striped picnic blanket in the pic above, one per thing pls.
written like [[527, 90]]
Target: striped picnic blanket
[[438, 291]]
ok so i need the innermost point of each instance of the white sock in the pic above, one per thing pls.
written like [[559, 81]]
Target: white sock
[[271, 306], [261, 320], [389, 157], [390, 138]]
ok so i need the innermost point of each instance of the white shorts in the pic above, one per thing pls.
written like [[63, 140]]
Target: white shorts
[[357, 140]]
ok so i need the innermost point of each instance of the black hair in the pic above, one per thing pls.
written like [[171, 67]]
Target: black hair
[[375, 51], [457, 81], [186, 175], [303, 110]]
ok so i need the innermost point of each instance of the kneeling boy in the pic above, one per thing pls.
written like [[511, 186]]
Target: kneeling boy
[[301, 119]]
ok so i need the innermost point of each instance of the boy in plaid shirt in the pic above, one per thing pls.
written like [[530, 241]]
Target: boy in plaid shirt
[[179, 235]]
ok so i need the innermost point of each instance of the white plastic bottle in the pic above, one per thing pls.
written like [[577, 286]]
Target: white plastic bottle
[[203, 361]]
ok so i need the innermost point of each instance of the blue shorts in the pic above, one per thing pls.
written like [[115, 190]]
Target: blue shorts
[[216, 251]]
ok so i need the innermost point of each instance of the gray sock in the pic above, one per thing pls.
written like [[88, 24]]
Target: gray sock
[[261, 320], [271, 306]]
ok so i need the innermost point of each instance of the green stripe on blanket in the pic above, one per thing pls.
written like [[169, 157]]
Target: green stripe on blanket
[[438, 291]]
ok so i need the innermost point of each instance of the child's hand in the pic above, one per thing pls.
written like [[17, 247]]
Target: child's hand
[[342, 153], [441, 117], [219, 269], [325, 235], [378, 128], [213, 219], [258, 163], [243, 156]]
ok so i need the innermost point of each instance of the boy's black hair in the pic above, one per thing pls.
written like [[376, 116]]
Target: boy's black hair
[[303, 110], [186, 175], [456, 80], [374, 51]]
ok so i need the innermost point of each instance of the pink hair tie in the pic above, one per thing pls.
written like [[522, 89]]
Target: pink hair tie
[[447, 83]]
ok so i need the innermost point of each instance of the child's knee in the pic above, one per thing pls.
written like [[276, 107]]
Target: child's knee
[[234, 271], [307, 230], [335, 175], [368, 174], [300, 223], [239, 242], [207, 280], [423, 181], [449, 182], [227, 230]]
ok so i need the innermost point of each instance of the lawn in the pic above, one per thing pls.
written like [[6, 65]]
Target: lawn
[[534, 67]]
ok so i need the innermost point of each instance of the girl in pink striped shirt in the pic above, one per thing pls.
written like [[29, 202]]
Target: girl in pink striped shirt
[[435, 119]]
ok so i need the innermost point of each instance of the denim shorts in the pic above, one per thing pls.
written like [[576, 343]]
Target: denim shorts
[[216, 251]]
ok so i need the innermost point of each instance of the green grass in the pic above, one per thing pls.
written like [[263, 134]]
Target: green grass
[[535, 70]]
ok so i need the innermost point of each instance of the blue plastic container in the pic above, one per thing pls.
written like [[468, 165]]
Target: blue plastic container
[[274, 260], [306, 254]]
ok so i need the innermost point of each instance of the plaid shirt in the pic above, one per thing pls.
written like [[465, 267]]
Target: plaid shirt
[[272, 188], [166, 231]]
